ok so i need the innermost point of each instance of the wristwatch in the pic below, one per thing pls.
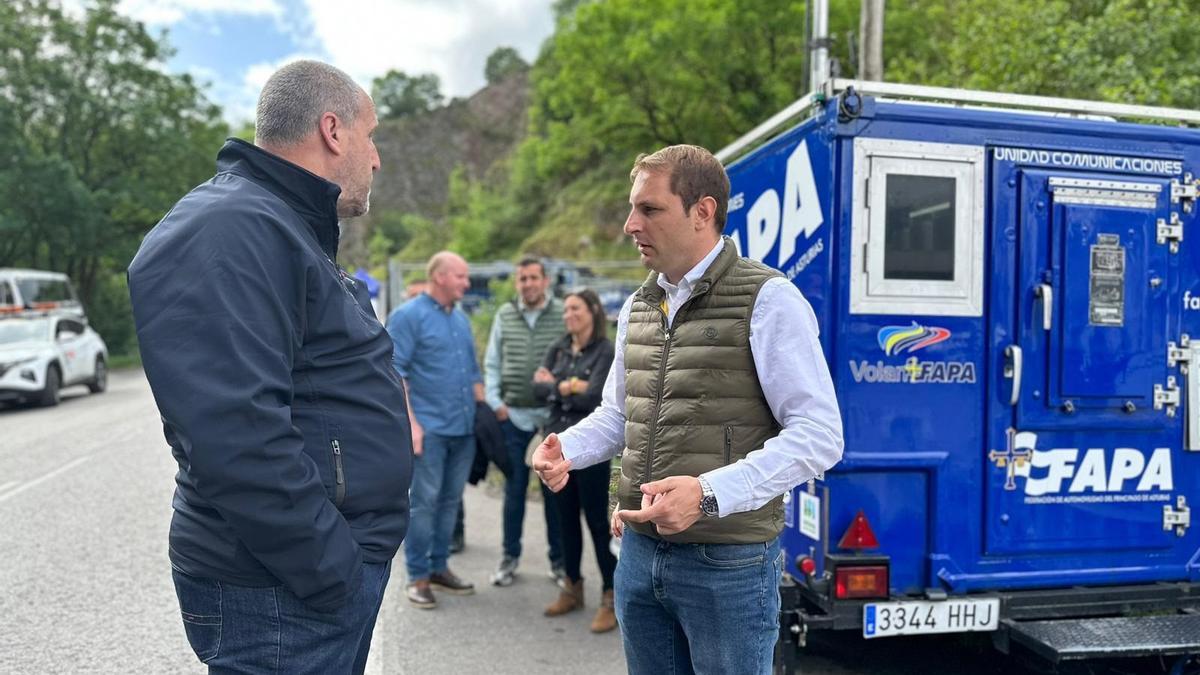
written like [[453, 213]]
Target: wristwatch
[[708, 499]]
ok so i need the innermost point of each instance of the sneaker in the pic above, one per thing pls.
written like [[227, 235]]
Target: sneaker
[[505, 571], [451, 583], [558, 574], [420, 595], [457, 544]]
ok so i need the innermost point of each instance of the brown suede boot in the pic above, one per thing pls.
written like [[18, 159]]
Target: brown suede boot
[[570, 598], [606, 618]]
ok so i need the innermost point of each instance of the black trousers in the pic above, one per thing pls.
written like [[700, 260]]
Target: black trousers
[[586, 491]]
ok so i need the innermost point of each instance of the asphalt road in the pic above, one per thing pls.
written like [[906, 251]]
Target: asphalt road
[[85, 586]]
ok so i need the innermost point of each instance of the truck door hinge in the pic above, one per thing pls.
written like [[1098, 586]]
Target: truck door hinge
[[1170, 231], [1178, 518], [1186, 191], [1167, 397], [1180, 354]]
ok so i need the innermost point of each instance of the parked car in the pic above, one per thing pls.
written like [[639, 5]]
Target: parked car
[[41, 355], [32, 291]]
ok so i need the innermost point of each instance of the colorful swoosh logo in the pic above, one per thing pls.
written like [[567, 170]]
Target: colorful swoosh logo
[[901, 339]]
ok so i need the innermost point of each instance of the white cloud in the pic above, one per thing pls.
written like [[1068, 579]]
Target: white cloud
[[170, 12], [451, 38]]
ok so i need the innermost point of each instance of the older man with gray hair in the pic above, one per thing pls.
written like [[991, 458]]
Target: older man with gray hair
[[275, 385]]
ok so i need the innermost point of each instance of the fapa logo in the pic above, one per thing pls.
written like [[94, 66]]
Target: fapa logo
[[902, 339], [1066, 475]]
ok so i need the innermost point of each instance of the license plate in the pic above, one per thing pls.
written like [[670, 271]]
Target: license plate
[[921, 617]]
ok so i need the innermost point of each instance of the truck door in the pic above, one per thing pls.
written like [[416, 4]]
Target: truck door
[[1089, 464]]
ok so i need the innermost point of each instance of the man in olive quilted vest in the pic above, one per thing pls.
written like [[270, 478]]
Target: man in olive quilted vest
[[721, 399], [521, 333]]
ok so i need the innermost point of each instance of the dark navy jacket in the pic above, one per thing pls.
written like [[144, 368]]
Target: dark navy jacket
[[275, 384]]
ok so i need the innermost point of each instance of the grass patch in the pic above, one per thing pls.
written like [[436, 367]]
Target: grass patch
[[124, 361]]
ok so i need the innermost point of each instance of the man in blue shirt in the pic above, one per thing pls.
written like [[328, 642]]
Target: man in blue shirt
[[435, 355]]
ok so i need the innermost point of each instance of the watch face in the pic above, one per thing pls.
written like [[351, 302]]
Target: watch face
[[709, 505]]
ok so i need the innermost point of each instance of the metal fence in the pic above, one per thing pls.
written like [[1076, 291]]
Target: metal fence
[[613, 280]]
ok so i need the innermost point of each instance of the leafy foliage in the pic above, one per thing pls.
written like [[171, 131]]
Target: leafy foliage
[[1135, 51], [101, 142], [502, 63], [398, 94]]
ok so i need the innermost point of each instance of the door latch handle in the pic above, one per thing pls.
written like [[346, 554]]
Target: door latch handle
[[1046, 293], [1012, 370]]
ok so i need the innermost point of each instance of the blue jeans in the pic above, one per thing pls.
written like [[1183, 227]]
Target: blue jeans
[[236, 629], [439, 474], [697, 608], [515, 486]]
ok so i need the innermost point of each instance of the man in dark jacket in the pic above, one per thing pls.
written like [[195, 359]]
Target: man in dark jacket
[[276, 389]]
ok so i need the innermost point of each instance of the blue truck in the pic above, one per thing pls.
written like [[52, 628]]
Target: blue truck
[[1006, 286]]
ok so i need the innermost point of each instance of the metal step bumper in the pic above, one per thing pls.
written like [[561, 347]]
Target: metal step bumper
[[1071, 639]]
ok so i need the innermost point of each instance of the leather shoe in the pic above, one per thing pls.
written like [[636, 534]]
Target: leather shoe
[[450, 582], [606, 617], [420, 595]]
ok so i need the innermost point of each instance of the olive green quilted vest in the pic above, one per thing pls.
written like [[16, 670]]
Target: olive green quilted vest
[[692, 398], [522, 349]]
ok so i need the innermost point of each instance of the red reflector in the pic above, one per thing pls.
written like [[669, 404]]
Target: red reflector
[[859, 534], [808, 565], [861, 582]]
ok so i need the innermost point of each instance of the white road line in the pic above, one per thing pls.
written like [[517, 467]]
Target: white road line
[[38, 481], [7, 485]]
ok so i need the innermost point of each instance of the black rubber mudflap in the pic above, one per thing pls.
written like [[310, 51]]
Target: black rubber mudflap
[[1070, 639]]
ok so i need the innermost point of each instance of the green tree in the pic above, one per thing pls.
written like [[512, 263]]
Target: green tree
[[504, 61], [427, 237], [624, 76], [1091, 49], [398, 94], [563, 9], [619, 78], [102, 141], [245, 132]]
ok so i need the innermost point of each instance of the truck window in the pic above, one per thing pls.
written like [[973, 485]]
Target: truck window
[[919, 239], [917, 229]]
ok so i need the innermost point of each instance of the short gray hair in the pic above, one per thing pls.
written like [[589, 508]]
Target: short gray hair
[[297, 95]]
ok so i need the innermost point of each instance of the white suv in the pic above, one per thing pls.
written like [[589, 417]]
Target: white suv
[[40, 355]]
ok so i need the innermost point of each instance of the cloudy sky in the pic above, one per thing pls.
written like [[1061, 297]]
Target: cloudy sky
[[236, 44]]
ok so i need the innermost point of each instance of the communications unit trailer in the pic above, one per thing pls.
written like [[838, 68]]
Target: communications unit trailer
[[1008, 290]]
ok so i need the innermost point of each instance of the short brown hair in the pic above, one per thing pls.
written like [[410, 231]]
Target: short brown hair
[[528, 260], [694, 174]]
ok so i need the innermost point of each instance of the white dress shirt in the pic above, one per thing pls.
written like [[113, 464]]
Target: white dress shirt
[[794, 379]]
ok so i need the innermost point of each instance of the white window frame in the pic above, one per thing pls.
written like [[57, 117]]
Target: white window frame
[[870, 292]]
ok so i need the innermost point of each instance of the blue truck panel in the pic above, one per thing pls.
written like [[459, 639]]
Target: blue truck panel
[[998, 293]]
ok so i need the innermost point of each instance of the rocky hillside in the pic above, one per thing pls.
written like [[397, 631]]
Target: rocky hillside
[[418, 153]]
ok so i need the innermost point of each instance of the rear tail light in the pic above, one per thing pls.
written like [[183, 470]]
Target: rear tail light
[[807, 565], [870, 581]]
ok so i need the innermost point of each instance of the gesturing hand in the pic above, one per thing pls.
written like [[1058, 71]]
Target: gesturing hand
[[550, 465], [618, 525], [672, 504]]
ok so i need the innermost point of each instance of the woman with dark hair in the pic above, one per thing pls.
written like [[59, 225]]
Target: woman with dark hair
[[571, 380]]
